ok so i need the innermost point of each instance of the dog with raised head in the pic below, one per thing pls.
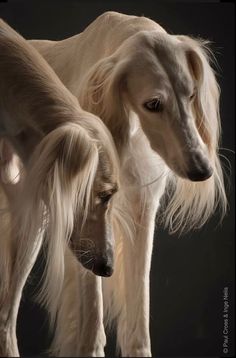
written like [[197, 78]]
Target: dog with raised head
[[158, 95]]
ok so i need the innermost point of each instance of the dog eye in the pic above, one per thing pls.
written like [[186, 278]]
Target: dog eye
[[154, 105], [105, 197]]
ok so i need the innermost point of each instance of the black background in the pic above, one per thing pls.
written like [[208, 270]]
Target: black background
[[188, 273]]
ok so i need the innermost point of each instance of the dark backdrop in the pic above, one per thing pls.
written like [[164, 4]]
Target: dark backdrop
[[189, 273]]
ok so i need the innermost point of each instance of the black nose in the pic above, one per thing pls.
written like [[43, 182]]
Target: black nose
[[86, 261], [102, 267], [200, 175]]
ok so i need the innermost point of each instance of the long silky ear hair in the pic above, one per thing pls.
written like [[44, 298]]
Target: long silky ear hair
[[192, 203], [57, 187], [100, 93], [5, 246]]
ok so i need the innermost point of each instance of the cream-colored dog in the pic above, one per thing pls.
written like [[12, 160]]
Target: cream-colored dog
[[58, 169], [158, 95]]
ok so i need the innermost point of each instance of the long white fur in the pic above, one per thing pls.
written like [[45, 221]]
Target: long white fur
[[98, 65], [60, 147]]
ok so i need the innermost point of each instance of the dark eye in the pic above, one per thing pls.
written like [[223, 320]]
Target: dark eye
[[154, 105], [105, 197]]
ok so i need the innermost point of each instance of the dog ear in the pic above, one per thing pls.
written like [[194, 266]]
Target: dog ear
[[191, 203], [206, 100], [67, 148], [197, 71], [101, 92], [57, 188], [195, 65], [61, 172]]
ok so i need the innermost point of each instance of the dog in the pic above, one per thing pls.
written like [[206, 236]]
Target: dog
[[58, 173], [158, 95]]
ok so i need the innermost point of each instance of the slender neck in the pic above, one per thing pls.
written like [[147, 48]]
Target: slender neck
[[67, 60], [33, 101], [121, 135]]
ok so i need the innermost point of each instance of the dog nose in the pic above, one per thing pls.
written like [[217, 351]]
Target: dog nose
[[200, 174], [103, 267]]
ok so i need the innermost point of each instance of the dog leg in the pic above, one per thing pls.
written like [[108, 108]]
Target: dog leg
[[92, 337], [79, 328], [133, 322], [8, 343], [10, 307], [8, 340]]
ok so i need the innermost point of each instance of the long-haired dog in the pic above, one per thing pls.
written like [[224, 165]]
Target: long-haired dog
[[159, 97], [58, 169]]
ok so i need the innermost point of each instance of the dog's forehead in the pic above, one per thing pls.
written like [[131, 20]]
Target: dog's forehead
[[106, 172], [160, 65], [172, 55]]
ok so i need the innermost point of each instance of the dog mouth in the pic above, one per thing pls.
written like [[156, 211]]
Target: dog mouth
[[100, 266], [100, 263], [195, 173]]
